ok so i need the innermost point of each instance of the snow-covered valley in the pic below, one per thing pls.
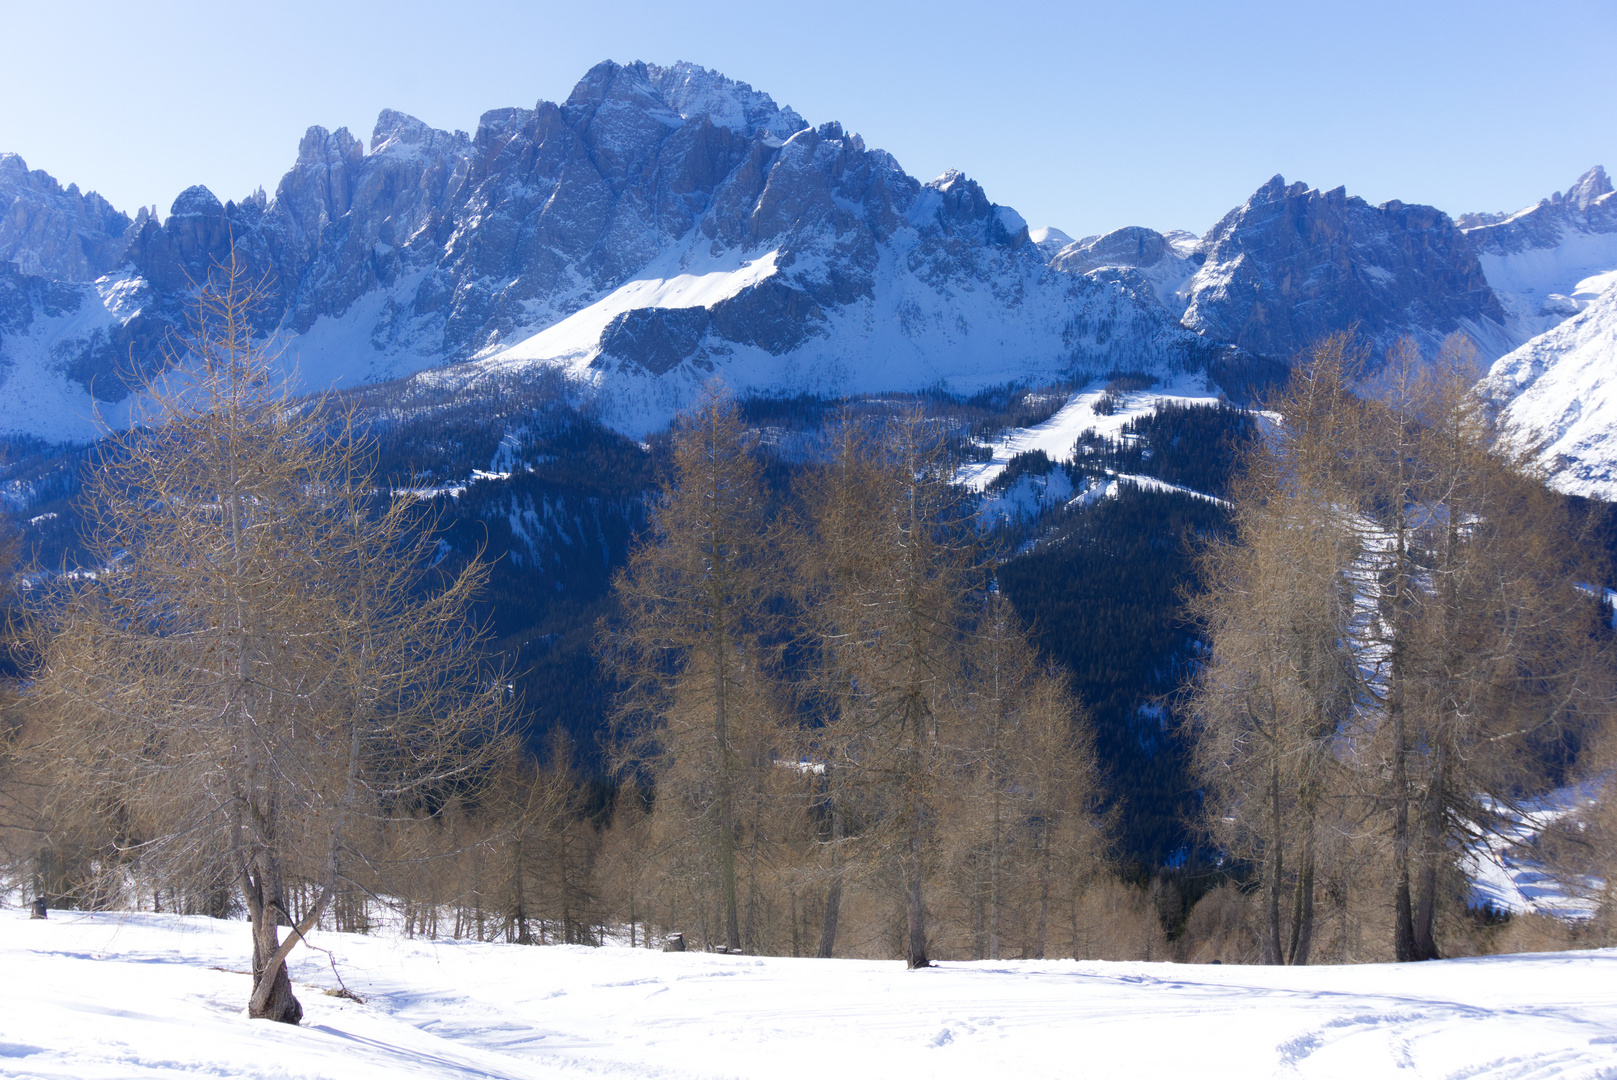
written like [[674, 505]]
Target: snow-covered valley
[[109, 995]]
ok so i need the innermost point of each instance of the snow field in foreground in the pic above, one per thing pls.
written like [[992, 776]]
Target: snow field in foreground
[[106, 995]]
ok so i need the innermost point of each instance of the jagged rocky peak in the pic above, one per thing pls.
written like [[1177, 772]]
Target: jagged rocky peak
[[959, 203], [1592, 187], [1588, 206], [1293, 264], [58, 233], [694, 91], [678, 93], [400, 129], [1551, 259], [319, 187]]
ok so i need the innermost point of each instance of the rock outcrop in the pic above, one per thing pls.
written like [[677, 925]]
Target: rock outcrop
[[55, 233], [1293, 264]]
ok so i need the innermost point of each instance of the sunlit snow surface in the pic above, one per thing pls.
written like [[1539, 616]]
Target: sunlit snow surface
[[106, 996], [1057, 435], [1032, 495], [1559, 390], [1506, 876], [572, 343]]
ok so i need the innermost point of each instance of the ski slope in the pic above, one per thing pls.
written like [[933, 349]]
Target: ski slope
[[1057, 435], [101, 996]]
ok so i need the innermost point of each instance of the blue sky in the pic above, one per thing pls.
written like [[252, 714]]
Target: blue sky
[[1084, 116]]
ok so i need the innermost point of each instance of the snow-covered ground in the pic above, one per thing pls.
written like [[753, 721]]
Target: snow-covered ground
[[1031, 495], [1057, 435], [1505, 875], [96, 996]]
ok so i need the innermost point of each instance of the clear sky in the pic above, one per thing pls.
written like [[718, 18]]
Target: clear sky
[[1087, 116]]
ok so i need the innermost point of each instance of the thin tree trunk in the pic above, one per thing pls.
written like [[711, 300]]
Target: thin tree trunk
[[833, 892], [1404, 916], [1272, 940], [1431, 854], [993, 879], [520, 915], [910, 872], [726, 807], [914, 910], [1044, 900], [1302, 927]]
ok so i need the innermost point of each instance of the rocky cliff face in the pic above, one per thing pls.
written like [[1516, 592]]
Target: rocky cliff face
[[54, 233], [1293, 263]]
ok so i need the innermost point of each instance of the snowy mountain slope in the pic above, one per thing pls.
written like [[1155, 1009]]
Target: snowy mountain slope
[[1550, 260], [1057, 435], [101, 996], [1031, 495], [1161, 262], [46, 326], [854, 278], [1560, 390]]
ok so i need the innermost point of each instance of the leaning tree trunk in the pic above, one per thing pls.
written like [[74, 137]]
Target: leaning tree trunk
[[272, 997]]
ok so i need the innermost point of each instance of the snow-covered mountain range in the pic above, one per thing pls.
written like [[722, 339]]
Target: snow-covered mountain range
[[660, 226], [1560, 391], [667, 225]]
